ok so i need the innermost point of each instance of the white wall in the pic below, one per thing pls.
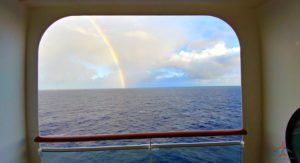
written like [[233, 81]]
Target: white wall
[[12, 109], [280, 30]]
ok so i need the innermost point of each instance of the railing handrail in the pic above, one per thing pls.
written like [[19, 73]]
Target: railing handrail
[[140, 146], [145, 135]]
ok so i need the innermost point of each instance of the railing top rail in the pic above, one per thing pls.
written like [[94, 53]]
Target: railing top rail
[[145, 135]]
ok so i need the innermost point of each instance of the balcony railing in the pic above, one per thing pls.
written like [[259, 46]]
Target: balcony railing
[[147, 135]]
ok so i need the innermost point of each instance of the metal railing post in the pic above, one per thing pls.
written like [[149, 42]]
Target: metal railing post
[[150, 144]]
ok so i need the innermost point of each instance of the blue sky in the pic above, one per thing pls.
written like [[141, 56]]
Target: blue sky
[[151, 51]]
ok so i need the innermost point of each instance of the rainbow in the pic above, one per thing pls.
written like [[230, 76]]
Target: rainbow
[[112, 51]]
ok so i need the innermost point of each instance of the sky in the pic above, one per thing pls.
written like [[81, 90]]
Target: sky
[[95, 52]]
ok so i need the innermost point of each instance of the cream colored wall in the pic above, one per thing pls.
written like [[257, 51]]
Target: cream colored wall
[[241, 18], [12, 58], [280, 31]]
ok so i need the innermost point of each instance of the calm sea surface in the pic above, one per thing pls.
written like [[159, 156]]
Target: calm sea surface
[[78, 112]]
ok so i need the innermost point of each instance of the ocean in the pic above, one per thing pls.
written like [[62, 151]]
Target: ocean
[[107, 111]]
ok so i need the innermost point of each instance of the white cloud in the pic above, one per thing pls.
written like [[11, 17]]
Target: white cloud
[[212, 63], [219, 49]]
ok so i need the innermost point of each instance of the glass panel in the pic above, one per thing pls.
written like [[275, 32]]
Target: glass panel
[[187, 154]]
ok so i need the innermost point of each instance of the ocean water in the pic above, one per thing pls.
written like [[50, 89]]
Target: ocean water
[[70, 112]]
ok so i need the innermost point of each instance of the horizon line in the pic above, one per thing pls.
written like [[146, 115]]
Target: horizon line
[[137, 87]]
